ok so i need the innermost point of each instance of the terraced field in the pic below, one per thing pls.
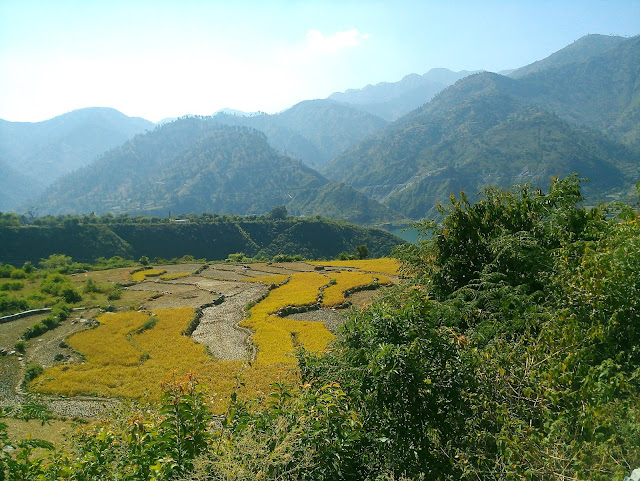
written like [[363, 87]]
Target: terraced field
[[259, 312]]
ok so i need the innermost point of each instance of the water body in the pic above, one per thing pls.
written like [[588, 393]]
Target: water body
[[408, 233]]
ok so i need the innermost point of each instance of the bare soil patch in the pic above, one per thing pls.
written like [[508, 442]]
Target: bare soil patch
[[332, 318], [218, 328]]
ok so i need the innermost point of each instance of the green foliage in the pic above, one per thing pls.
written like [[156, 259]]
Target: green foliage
[[20, 347], [362, 251], [11, 286], [11, 305], [279, 212], [33, 371], [56, 261], [208, 236], [18, 274], [59, 313], [28, 267], [144, 260]]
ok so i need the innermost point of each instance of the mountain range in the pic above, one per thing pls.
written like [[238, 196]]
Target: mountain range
[[42, 152], [578, 110]]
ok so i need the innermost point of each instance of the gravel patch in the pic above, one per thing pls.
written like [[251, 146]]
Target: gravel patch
[[218, 329], [78, 407]]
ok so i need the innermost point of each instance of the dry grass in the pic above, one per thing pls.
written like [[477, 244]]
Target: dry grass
[[177, 275], [346, 281], [142, 275], [123, 363], [276, 337], [384, 265]]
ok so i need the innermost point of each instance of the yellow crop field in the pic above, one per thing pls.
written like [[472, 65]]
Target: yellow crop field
[[121, 363], [177, 275], [142, 275], [334, 295], [384, 265], [130, 353], [273, 279], [276, 337]]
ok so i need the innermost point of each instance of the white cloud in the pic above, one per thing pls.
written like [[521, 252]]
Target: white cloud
[[338, 41]]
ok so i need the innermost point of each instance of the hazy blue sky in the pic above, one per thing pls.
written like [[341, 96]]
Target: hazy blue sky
[[157, 59]]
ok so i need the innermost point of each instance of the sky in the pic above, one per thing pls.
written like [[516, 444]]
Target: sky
[[159, 59]]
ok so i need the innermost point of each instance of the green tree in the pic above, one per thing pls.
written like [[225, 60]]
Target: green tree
[[362, 251], [278, 213]]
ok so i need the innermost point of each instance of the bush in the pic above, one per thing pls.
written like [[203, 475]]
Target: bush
[[71, 295], [32, 372], [10, 305], [18, 274], [20, 346], [11, 285]]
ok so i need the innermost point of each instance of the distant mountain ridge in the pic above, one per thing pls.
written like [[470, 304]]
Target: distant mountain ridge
[[313, 131], [580, 50], [44, 151], [391, 100]]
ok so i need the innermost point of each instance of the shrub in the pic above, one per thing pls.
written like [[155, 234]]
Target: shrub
[[71, 295], [32, 372], [18, 274], [11, 285], [20, 347]]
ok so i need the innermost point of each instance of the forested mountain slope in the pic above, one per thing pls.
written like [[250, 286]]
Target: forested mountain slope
[[15, 187], [580, 50], [489, 129], [213, 237], [312, 131], [196, 165]]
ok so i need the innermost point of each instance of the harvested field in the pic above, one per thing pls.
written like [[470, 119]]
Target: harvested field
[[270, 344], [53, 431], [332, 318], [170, 294], [218, 328]]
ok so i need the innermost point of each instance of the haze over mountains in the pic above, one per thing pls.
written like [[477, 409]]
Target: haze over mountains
[[576, 111], [42, 152]]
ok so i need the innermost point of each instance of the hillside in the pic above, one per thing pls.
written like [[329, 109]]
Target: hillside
[[339, 201], [579, 51], [49, 149], [601, 92], [190, 165], [391, 100], [312, 131], [212, 237], [15, 187], [195, 165], [476, 134]]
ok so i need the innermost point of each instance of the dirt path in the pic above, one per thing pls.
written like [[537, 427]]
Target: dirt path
[[218, 329]]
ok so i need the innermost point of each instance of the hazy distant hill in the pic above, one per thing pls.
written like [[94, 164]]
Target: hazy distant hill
[[195, 165], [478, 133], [47, 150], [391, 100], [313, 131], [189, 165], [15, 188], [579, 51]]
